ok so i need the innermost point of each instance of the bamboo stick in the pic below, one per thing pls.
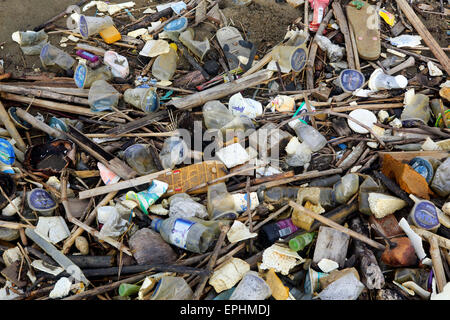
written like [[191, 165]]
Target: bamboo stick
[[11, 127]]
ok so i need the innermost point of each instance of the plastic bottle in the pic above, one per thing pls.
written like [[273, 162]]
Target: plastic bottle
[[52, 57], [300, 242], [313, 138], [220, 202], [278, 194], [381, 81], [140, 159], [251, 287], [165, 64], [102, 96], [272, 232], [190, 233], [183, 206], [172, 288], [343, 190], [84, 76], [87, 55], [145, 99], [30, 42]]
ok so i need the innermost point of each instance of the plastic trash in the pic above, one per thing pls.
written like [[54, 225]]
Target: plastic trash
[[423, 166], [199, 48], [173, 152], [172, 288], [110, 34], [334, 52], [301, 241], [30, 42], [229, 274], [149, 248], [41, 201], [148, 197], [381, 81], [246, 106], [87, 55], [233, 155], [89, 26], [175, 27], [298, 154], [347, 287], [319, 7], [272, 232], [52, 57], [219, 117], [365, 117], [191, 234], [165, 64], [406, 40], [140, 159], [441, 183], [113, 224], [417, 109], [117, 63], [424, 214], [84, 76], [102, 96], [351, 80], [220, 202], [145, 99], [183, 206], [308, 134], [251, 287]]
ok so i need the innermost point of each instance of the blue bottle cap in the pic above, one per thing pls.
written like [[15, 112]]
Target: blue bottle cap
[[7, 155], [151, 101], [423, 167], [298, 59], [351, 80], [83, 27], [80, 75], [425, 215], [176, 25], [40, 200]]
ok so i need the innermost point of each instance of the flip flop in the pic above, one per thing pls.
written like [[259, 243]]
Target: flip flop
[[366, 27]]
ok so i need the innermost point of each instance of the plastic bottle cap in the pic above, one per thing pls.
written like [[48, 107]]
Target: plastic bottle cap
[[401, 81], [351, 80], [40, 200], [173, 46], [423, 167], [425, 216], [177, 25]]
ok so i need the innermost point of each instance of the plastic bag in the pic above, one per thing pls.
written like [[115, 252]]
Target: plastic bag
[[183, 206]]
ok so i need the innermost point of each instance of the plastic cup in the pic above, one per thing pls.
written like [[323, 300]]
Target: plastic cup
[[381, 81], [52, 56], [251, 287], [291, 57], [93, 25], [40, 201], [351, 80], [145, 99], [84, 76]]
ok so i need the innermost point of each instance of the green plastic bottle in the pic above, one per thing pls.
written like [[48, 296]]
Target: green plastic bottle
[[300, 242]]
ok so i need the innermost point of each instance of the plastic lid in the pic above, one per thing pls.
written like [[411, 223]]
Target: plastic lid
[[424, 215], [365, 117], [401, 81], [423, 167], [7, 155], [298, 59], [40, 200], [80, 75], [83, 26], [176, 25], [351, 80]]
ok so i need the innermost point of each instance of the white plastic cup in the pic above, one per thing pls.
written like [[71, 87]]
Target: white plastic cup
[[251, 287], [145, 99], [93, 25], [381, 81]]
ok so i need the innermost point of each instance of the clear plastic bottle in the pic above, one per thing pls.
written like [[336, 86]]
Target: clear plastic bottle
[[300, 242], [313, 138], [165, 65], [192, 234]]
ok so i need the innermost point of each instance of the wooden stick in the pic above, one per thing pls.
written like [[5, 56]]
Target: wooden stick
[[355, 50], [438, 268], [342, 21], [427, 235], [121, 185], [425, 34], [198, 292], [336, 226], [11, 127]]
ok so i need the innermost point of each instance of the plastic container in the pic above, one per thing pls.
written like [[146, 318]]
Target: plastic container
[[251, 287], [291, 57], [311, 136], [87, 55], [272, 232], [199, 48], [117, 63], [41, 201], [191, 234], [30, 42], [52, 57], [343, 190], [351, 80], [417, 109], [422, 166], [110, 34], [173, 152], [140, 159], [102, 96], [220, 202], [175, 27], [300, 242], [381, 81], [145, 99], [424, 214], [90, 26], [172, 288], [84, 76], [148, 197], [165, 64]]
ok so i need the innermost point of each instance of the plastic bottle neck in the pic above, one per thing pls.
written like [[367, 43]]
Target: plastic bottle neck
[[296, 244], [156, 224]]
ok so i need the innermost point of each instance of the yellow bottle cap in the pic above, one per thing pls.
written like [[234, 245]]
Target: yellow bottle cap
[[173, 46]]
